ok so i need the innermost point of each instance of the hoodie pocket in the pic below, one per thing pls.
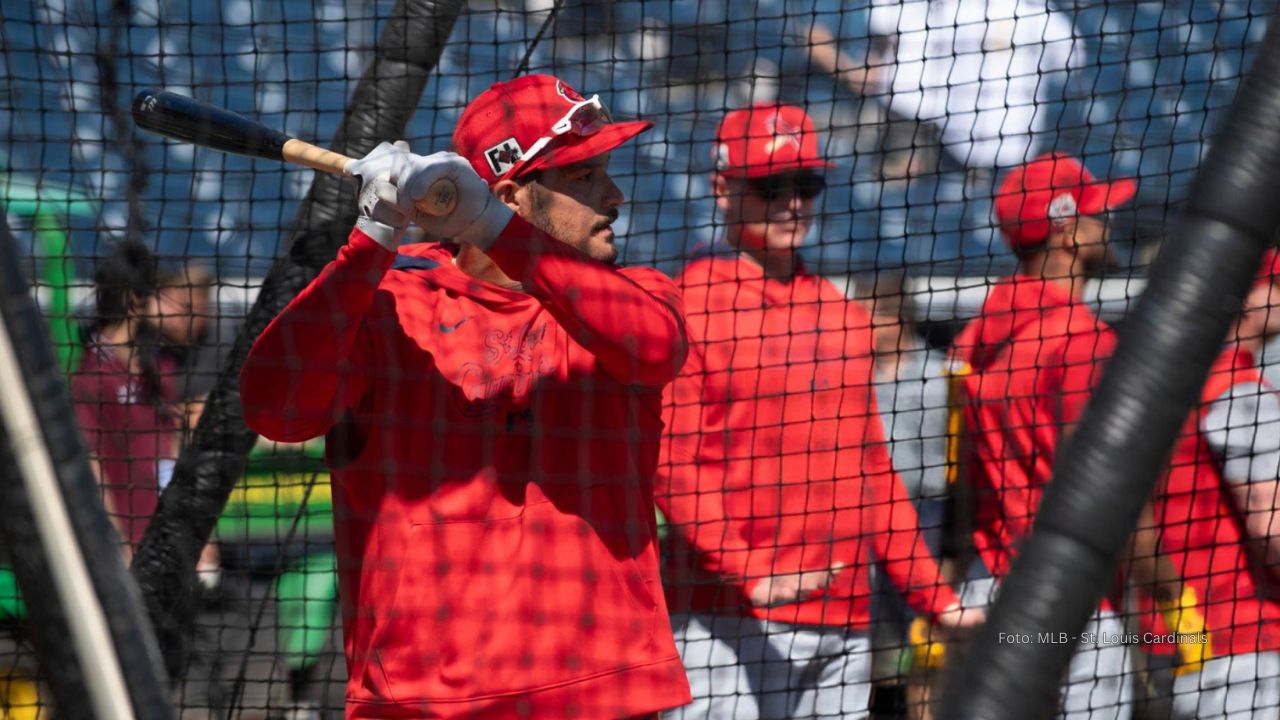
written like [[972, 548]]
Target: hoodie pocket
[[510, 605]]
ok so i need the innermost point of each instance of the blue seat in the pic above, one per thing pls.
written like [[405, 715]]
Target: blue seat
[[1153, 87]]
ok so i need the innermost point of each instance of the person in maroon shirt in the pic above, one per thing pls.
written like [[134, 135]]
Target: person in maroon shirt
[[125, 392], [492, 410]]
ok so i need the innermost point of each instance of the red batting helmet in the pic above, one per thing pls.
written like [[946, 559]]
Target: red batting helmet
[[1050, 187], [535, 122]]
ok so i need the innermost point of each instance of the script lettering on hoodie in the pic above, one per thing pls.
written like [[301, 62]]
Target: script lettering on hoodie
[[507, 373]]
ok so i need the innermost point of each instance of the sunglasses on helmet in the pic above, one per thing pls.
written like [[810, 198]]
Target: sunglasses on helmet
[[583, 119], [806, 186]]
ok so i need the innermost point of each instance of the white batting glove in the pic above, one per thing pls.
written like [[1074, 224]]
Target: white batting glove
[[384, 214], [477, 219], [394, 180]]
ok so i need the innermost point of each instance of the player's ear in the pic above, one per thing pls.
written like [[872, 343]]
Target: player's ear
[[506, 191]]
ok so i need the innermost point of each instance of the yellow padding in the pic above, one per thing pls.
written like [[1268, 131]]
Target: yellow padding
[[929, 653], [19, 699], [955, 418], [1184, 619]]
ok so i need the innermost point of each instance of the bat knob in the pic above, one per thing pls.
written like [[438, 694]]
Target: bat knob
[[441, 198]]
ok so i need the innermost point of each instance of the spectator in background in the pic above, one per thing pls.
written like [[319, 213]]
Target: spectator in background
[[964, 82], [1219, 512], [1027, 365], [195, 341], [125, 392], [911, 390], [188, 334], [774, 473]]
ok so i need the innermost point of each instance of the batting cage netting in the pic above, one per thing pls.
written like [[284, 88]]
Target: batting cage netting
[[724, 378]]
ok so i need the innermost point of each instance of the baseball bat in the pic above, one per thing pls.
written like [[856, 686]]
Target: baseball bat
[[183, 118]]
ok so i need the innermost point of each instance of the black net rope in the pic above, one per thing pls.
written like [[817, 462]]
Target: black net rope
[[883, 356]]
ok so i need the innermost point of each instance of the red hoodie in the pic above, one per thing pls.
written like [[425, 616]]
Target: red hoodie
[[1028, 364], [1204, 534], [492, 455], [774, 461]]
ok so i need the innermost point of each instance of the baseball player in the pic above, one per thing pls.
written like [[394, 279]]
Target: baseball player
[[1219, 519], [492, 411], [1027, 365], [774, 471]]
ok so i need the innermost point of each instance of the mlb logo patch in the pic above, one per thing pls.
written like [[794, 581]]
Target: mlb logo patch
[[503, 156]]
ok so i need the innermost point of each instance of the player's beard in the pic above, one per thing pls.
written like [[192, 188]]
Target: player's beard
[[540, 218]]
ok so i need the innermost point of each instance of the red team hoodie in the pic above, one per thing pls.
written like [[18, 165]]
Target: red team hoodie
[[1203, 533], [775, 460], [1027, 366], [492, 455]]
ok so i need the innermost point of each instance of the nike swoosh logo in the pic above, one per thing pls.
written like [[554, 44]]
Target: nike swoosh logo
[[446, 329]]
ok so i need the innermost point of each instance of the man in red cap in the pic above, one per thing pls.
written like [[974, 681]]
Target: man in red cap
[[1026, 367], [774, 470], [492, 418], [1218, 511]]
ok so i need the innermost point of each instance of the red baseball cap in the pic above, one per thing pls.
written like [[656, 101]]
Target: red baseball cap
[[767, 139], [1052, 186], [534, 122]]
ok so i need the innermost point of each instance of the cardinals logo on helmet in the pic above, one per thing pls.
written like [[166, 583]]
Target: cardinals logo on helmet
[[568, 93], [1063, 206], [784, 132]]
